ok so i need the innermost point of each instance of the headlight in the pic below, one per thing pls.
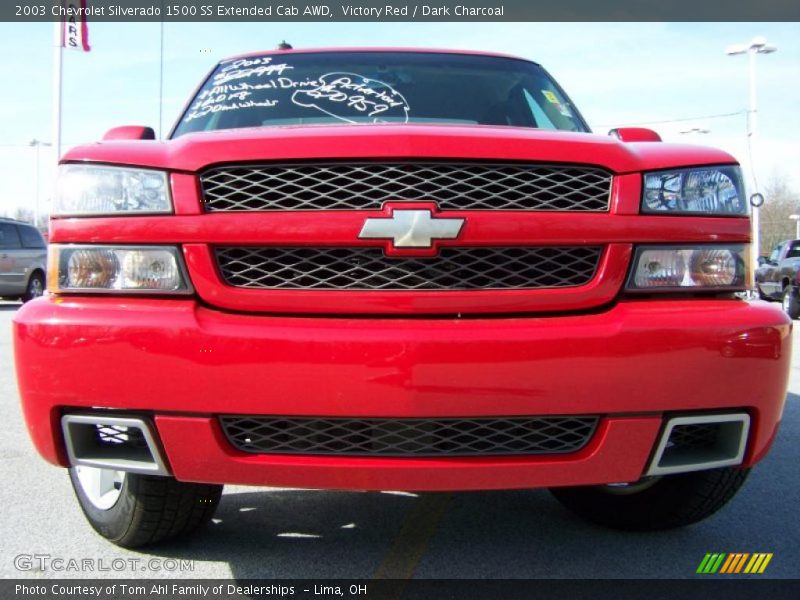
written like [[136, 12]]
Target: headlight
[[85, 190], [703, 191], [140, 269], [707, 267]]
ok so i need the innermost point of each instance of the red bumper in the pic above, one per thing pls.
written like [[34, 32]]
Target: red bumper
[[186, 363]]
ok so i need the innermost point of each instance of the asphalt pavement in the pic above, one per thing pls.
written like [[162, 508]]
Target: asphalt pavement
[[279, 533]]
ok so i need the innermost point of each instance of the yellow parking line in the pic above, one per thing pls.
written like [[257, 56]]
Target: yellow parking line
[[401, 560]]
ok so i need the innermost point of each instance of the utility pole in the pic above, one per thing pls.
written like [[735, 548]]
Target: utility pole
[[758, 45], [37, 144]]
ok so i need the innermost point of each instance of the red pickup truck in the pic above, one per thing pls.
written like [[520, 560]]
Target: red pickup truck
[[393, 269]]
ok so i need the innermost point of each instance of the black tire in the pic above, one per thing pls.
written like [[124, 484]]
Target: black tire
[[791, 302], [150, 509], [664, 503], [35, 287]]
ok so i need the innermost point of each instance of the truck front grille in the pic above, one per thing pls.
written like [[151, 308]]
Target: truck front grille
[[367, 185], [454, 268], [409, 437]]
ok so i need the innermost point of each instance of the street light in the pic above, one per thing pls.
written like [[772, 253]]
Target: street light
[[37, 144], [796, 219], [758, 45]]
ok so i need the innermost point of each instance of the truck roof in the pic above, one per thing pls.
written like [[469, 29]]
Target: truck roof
[[374, 49]]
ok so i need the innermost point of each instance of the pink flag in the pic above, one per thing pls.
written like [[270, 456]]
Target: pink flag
[[75, 31]]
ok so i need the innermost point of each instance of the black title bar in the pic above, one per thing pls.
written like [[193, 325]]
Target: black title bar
[[708, 588], [401, 10]]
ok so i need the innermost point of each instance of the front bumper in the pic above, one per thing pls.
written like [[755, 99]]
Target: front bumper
[[185, 363]]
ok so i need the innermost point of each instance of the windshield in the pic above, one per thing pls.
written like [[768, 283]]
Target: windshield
[[378, 87]]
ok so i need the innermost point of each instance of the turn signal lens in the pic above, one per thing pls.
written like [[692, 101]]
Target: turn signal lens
[[686, 267], [91, 269], [660, 268], [116, 269]]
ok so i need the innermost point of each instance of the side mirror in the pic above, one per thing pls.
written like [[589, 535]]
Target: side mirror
[[130, 132], [635, 134]]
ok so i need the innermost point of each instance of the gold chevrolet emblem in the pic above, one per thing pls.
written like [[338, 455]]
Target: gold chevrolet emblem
[[411, 228]]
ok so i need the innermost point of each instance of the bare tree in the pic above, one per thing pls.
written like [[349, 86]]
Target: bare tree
[[780, 202], [23, 214]]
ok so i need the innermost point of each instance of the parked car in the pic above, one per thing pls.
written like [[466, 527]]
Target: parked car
[[389, 269], [777, 279], [23, 261]]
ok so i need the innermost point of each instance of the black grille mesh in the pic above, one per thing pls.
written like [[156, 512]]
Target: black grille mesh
[[454, 186], [409, 437], [369, 269], [694, 435]]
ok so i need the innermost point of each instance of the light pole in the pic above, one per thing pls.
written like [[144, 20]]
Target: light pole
[[796, 219], [758, 45], [37, 144]]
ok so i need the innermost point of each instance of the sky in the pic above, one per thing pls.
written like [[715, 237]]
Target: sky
[[670, 77]]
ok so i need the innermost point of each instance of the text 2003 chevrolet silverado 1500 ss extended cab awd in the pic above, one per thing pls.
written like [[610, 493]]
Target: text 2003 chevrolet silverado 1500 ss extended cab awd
[[394, 269]]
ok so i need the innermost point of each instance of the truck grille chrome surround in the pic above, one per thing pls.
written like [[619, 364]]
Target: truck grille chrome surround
[[455, 268], [367, 185], [409, 437]]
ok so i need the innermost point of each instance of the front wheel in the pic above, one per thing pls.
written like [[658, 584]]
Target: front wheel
[[655, 503], [791, 303], [133, 510]]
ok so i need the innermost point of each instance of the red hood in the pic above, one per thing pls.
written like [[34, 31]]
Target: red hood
[[194, 151]]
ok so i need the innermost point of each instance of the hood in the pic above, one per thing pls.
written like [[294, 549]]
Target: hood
[[193, 152]]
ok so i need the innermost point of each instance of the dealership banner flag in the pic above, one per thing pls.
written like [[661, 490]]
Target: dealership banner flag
[[75, 31]]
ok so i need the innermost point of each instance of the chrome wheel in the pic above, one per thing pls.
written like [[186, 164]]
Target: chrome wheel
[[101, 486]]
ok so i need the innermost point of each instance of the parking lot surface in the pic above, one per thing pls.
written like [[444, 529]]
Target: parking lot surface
[[279, 533]]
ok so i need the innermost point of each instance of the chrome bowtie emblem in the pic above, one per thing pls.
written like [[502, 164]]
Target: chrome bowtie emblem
[[411, 228]]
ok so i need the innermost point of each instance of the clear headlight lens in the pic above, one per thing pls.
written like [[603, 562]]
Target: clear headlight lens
[[705, 191], [148, 269], [85, 190], [709, 267]]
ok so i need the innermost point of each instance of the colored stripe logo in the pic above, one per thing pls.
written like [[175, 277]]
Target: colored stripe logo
[[734, 562]]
